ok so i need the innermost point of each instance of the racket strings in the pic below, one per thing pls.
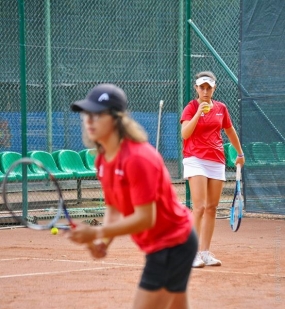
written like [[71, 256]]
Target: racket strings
[[31, 199]]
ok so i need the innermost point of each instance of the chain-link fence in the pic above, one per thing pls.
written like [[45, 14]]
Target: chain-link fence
[[262, 101], [218, 21], [218, 24], [71, 46], [62, 48]]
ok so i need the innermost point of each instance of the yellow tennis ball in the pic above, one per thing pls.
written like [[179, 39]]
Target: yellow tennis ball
[[206, 109], [54, 231]]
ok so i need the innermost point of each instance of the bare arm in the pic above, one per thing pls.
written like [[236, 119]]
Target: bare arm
[[111, 215], [98, 248], [143, 218], [233, 137], [189, 126]]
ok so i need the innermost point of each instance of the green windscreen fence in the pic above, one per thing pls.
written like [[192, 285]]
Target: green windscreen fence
[[217, 22], [64, 48], [73, 45], [262, 80], [142, 46]]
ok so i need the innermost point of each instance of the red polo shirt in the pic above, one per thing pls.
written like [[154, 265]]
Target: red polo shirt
[[137, 176], [206, 140]]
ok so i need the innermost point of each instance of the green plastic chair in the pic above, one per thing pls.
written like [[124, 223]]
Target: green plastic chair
[[1, 176], [47, 159], [263, 154], [8, 158], [249, 161], [231, 156], [3, 168], [70, 161], [280, 151], [88, 157], [226, 146], [273, 147]]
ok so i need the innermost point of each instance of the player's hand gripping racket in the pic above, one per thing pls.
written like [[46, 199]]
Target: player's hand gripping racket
[[237, 205], [33, 196]]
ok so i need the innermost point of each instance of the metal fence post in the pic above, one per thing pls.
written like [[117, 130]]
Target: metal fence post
[[188, 79], [23, 94]]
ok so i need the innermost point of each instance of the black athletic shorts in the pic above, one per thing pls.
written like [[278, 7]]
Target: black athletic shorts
[[170, 268]]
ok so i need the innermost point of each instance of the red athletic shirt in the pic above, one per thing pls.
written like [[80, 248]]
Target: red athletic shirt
[[206, 140], [137, 176]]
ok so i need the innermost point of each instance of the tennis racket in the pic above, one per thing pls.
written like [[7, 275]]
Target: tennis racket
[[237, 205], [33, 197]]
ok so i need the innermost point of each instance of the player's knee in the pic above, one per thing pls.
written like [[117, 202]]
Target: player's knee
[[211, 209], [199, 210]]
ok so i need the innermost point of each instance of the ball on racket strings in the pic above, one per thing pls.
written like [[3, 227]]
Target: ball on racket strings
[[54, 231]]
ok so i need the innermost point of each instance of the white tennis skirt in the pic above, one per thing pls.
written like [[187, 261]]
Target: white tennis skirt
[[194, 166]]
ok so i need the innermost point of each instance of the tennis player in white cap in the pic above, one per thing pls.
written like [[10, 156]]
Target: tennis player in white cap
[[203, 120]]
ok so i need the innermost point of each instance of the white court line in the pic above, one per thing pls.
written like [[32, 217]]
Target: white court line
[[59, 272], [71, 261], [42, 259], [118, 265], [239, 273], [212, 271], [215, 271]]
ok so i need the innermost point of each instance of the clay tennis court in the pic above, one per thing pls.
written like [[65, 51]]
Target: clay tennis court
[[40, 270]]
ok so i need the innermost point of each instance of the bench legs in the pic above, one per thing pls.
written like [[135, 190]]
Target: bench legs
[[79, 191]]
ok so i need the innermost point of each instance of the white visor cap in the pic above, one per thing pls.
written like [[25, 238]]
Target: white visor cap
[[205, 79]]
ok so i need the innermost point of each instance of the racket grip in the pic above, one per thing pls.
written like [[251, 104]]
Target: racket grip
[[105, 240], [73, 225], [238, 172]]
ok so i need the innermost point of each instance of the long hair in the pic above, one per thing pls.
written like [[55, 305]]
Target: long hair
[[126, 126]]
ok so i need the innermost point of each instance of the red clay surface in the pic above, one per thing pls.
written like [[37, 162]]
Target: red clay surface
[[40, 270]]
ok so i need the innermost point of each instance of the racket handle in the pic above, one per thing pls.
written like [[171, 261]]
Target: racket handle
[[105, 240], [238, 172], [73, 225]]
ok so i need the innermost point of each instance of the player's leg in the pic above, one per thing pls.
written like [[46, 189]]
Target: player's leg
[[179, 272], [198, 189], [214, 192], [180, 300], [165, 277], [161, 299]]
